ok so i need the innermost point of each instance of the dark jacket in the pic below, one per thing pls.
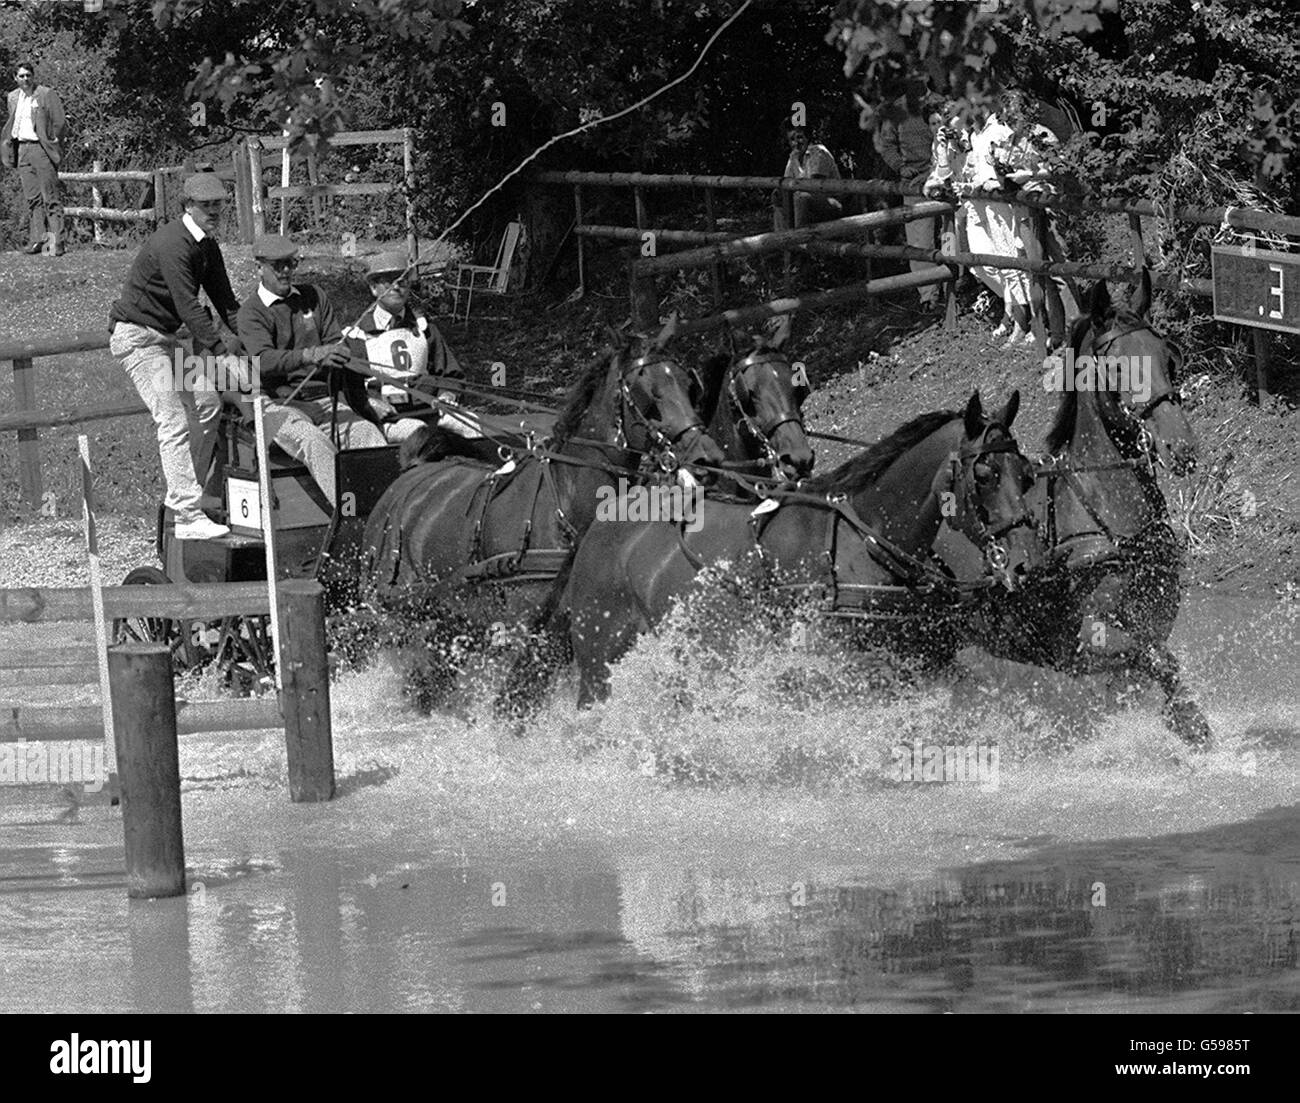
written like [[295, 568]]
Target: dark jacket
[[905, 144], [282, 333], [48, 119], [162, 287]]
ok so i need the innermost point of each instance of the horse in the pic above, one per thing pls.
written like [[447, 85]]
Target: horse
[[753, 410], [851, 534], [752, 406], [1107, 597], [473, 543]]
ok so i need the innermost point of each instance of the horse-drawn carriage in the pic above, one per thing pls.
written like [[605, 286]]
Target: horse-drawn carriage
[[312, 540]]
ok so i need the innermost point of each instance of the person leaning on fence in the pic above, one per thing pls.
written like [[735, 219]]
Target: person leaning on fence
[[906, 144], [990, 227], [403, 351], [1028, 168], [808, 161], [161, 295], [31, 142], [302, 363]]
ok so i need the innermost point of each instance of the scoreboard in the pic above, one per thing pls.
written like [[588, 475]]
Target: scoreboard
[[1256, 287]]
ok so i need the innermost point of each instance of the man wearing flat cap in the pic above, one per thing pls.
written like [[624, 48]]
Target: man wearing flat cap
[[403, 349], [161, 295], [303, 361]]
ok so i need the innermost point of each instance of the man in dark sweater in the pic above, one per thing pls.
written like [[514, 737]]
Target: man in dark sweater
[[161, 295], [298, 344], [906, 142]]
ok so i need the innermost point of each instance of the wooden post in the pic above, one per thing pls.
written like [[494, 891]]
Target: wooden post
[[577, 226], [243, 216], [29, 448], [144, 718], [285, 166], [787, 257], [306, 697], [715, 269], [408, 171], [97, 599], [638, 197], [1262, 339], [258, 187], [1135, 240], [313, 178], [948, 243], [159, 198], [97, 201], [645, 296], [1035, 242]]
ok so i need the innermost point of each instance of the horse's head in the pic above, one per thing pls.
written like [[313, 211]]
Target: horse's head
[[766, 396], [1133, 379], [659, 408], [987, 479]]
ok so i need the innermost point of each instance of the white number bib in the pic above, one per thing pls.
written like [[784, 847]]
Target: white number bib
[[397, 354]]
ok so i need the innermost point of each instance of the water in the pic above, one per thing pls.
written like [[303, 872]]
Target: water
[[700, 843]]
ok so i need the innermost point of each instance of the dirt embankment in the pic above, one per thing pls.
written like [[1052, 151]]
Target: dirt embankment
[[871, 368]]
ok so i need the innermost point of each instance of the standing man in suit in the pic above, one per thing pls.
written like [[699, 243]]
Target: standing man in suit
[[30, 142]]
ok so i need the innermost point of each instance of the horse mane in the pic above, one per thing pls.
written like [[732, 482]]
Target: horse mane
[[1067, 413], [580, 396], [868, 466]]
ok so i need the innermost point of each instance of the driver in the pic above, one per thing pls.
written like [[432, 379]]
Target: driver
[[398, 343], [292, 329]]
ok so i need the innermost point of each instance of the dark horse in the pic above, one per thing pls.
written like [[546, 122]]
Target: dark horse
[[851, 534], [753, 408], [485, 542], [1108, 596], [752, 402]]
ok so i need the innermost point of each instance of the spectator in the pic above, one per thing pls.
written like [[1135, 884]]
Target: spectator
[[161, 294], [808, 161], [31, 143], [1028, 169], [990, 228], [293, 332], [906, 144]]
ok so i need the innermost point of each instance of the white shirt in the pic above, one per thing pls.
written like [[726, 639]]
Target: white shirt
[[383, 319], [25, 117], [270, 298], [817, 161], [196, 231]]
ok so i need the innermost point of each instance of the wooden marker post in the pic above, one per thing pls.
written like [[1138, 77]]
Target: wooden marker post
[[144, 718], [97, 600], [306, 697], [268, 534], [97, 201], [258, 188]]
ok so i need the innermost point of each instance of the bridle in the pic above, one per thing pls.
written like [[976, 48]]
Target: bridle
[[664, 443], [761, 432], [974, 523], [1137, 418]]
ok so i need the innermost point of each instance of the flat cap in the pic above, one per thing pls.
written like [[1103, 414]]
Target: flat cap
[[273, 247], [204, 186], [385, 264]]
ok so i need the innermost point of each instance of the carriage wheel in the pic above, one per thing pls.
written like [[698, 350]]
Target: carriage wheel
[[176, 634], [239, 645]]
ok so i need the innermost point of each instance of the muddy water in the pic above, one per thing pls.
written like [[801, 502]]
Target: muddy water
[[720, 835]]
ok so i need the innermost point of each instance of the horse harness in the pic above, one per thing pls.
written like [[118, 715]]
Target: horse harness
[[527, 564], [919, 577]]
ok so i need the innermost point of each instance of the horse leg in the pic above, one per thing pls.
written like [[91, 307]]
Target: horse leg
[[1182, 713]]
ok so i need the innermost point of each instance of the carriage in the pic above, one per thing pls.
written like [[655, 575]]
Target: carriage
[[312, 540]]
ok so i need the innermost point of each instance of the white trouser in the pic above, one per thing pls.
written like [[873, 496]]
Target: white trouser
[[296, 427], [186, 419]]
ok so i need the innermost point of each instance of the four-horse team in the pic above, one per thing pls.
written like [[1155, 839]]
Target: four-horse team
[[1066, 561]]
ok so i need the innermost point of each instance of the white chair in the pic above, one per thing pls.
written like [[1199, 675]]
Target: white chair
[[493, 278]]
